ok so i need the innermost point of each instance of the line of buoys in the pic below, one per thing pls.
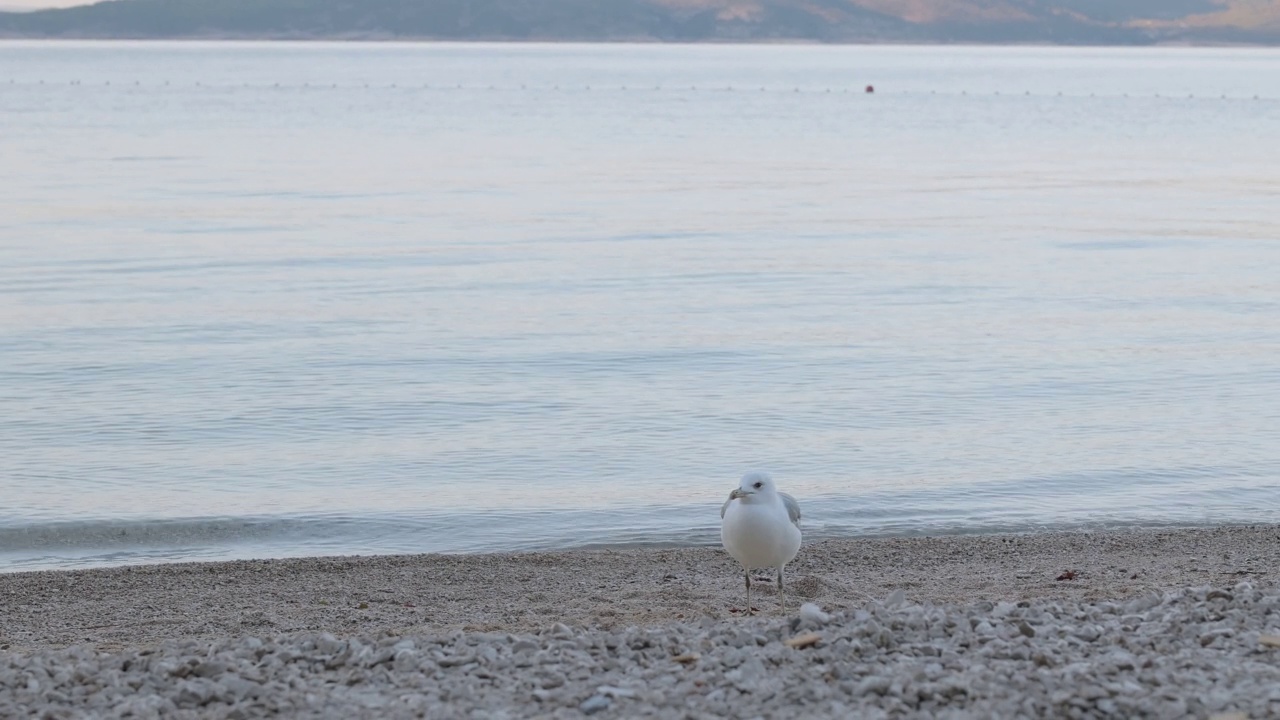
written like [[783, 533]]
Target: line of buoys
[[868, 89]]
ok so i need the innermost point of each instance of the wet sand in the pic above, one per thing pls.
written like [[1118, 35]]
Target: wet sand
[[133, 607]]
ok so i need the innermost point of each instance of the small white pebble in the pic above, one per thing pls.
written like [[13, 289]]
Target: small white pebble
[[811, 614]]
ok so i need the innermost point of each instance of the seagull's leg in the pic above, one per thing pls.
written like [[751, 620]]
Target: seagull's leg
[[782, 592], [748, 574]]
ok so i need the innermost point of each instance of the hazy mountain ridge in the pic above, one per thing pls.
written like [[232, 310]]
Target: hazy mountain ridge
[[1060, 21]]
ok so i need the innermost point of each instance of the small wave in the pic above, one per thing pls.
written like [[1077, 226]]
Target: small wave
[[158, 532], [101, 543]]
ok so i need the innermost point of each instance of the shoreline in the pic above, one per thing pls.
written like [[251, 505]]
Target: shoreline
[[113, 609]]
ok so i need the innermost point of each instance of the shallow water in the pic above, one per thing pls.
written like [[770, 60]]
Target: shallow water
[[263, 300]]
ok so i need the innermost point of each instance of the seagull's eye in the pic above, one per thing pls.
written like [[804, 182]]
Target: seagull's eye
[[758, 485]]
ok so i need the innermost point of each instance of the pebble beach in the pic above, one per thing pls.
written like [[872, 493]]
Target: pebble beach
[[1126, 623]]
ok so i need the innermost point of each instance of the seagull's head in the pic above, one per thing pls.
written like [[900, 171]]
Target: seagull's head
[[754, 483]]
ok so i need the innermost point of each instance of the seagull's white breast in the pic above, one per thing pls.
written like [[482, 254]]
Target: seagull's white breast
[[759, 534]]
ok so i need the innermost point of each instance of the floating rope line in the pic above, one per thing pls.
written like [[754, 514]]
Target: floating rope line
[[524, 87]]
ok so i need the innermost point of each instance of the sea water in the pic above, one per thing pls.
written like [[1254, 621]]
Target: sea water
[[276, 299]]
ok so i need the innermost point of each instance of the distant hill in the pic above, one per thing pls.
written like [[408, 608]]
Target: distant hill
[[1043, 21]]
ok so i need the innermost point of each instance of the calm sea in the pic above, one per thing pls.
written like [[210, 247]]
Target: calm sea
[[268, 299]]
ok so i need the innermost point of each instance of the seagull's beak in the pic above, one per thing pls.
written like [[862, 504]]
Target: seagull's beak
[[738, 494]]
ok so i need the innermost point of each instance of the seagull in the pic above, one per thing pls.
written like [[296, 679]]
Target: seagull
[[760, 527]]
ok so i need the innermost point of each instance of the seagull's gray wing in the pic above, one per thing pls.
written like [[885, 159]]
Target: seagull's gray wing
[[793, 508], [725, 506]]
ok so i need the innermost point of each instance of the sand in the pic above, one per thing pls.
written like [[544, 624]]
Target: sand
[[136, 607]]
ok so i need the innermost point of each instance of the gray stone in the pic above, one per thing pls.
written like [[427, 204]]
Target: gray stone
[[594, 704]]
